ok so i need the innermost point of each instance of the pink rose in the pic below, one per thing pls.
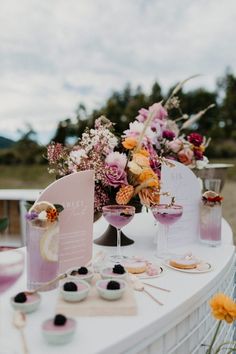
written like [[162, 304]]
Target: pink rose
[[185, 156], [115, 176], [175, 145]]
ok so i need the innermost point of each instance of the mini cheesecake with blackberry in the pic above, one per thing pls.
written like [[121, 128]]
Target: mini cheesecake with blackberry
[[59, 330], [82, 273], [74, 290], [26, 302], [110, 289], [117, 272]]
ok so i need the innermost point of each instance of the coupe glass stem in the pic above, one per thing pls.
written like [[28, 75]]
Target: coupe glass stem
[[162, 240], [118, 249]]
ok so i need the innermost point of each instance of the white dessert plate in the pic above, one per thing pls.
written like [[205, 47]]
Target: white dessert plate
[[191, 271], [144, 275]]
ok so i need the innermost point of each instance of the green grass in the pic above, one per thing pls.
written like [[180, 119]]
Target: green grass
[[20, 177]]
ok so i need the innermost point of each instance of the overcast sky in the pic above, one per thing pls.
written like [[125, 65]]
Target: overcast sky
[[57, 53]]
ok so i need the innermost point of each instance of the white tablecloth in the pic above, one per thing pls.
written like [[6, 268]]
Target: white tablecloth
[[179, 327]]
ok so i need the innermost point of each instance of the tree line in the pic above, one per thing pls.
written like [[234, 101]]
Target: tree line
[[122, 107]]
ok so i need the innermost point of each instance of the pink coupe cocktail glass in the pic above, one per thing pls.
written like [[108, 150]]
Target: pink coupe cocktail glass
[[118, 216], [166, 214], [11, 268]]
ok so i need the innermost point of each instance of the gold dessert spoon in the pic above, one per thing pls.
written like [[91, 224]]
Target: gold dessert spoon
[[134, 279], [137, 285], [19, 321], [41, 287]]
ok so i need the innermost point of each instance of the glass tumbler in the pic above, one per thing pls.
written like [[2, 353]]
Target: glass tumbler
[[210, 224], [42, 255]]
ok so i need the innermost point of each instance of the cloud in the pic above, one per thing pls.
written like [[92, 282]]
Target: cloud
[[55, 54]]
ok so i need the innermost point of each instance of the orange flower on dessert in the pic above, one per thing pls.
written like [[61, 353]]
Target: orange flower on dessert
[[223, 308], [129, 143], [141, 160], [149, 196], [52, 214], [149, 176]]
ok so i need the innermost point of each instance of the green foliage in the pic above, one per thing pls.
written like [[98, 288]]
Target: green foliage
[[3, 224]]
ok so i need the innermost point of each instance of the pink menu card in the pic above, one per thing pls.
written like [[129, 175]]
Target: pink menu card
[[75, 193]]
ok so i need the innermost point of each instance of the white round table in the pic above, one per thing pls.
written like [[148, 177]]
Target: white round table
[[178, 327]]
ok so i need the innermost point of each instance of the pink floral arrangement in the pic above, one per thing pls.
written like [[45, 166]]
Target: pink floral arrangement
[[127, 169]]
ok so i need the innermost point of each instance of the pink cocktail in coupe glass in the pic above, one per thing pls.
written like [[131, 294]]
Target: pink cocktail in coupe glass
[[118, 216], [166, 215], [11, 268]]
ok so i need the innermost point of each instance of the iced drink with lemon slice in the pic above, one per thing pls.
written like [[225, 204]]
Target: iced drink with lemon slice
[[42, 240]]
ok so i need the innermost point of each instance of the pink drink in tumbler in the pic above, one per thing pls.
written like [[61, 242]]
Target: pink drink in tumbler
[[42, 263], [210, 223]]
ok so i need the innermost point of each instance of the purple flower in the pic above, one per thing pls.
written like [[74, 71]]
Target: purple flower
[[31, 215], [168, 134], [115, 176]]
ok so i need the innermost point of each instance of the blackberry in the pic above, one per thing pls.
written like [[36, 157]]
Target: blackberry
[[20, 298], [59, 320], [83, 270], [118, 269], [113, 285], [70, 286]]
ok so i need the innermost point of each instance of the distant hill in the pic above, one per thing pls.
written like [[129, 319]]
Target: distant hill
[[5, 142]]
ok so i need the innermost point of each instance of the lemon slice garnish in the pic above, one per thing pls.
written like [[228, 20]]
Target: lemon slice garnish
[[49, 244]]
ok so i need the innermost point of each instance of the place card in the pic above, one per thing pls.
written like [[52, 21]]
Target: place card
[[182, 184], [75, 193]]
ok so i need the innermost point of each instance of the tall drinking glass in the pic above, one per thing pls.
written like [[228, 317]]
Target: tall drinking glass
[[118, 216], [212, 184], [42, 254], [210, 219], [167, 215]]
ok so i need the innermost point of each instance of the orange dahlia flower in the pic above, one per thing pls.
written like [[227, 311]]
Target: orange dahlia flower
[[223, 308], [129, 143], [148, 175]]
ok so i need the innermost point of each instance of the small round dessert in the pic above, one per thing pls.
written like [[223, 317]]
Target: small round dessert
[[26, 302], [111, 289], [74, 290], [135, 267], [59, 330], [184, 263], [82, 273], [118, 272]]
